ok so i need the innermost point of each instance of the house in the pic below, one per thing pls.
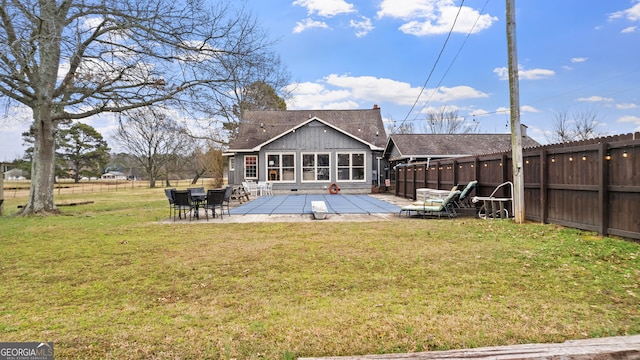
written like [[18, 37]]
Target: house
[[406, 148], [309, 150], [113, 175]]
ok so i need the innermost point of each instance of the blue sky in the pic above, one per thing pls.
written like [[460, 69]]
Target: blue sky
[[575, 56]]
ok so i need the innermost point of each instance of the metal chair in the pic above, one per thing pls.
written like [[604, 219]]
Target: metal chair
[[215, 199], [226, 200], [182, 203], [169, 195]]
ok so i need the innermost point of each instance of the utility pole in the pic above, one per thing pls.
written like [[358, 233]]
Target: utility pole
[[516, 131]]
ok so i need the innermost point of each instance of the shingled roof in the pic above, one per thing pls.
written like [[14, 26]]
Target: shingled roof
[[260, 127], [452, 145]]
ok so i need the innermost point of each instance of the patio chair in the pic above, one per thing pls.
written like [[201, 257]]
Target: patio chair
[[182, 203], [226, 200], [444, 206], [251, 187], [262, 188], [169, 195], [465, 199], [215, 199]]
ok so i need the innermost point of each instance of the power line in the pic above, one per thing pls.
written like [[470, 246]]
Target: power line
[[435, 63], [454, 58]]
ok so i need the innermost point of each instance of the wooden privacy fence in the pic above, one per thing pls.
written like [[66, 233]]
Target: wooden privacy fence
[[592, 185]]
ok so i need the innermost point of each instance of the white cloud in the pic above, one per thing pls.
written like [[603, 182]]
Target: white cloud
[[348, 91], [626, 106], [503, 110], [632, 14], [310, 95], [579, 59], [630, 29], [428, 17], [446, 94], [407, 9], [528, 109], [533, 74], [374, 89], [594, 99], [309, 24], [325, 8], [631, 119], [363, 27], [479, 112], [523, 109]]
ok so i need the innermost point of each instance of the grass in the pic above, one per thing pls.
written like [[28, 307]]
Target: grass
[[107, 280]]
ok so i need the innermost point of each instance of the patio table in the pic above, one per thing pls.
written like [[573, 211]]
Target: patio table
[[197, 198]]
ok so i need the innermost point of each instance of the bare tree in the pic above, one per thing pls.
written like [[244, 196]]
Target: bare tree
[[72, 59], [214, 163], [443, 121], [575, 126], [402, 128], [260, 81], [153, 138]]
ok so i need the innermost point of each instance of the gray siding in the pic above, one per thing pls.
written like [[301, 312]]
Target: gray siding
[[314, 137]]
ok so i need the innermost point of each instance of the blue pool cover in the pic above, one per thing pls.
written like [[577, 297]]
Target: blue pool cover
[[301, 204]]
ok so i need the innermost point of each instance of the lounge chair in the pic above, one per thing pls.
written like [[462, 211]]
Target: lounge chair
[[438, 207], [464, 200]]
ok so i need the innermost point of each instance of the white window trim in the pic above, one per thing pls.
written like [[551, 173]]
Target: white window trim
[[232, 163], [295, 167], [315, 167], [244, 167], [364, 156]]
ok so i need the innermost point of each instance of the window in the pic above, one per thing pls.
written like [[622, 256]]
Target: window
[[351, 166], [315, 167], [281, 167], [232, 163], [250, 167]]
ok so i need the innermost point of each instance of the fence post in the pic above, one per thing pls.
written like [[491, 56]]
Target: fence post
[[438, 171], [476, 173], [544, 184], [454, 176], [603, 188]]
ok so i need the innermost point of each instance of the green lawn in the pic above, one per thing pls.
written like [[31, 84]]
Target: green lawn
[[107, 281]]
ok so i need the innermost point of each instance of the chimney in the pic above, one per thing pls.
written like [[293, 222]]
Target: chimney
[[375, 106], [523, 130]]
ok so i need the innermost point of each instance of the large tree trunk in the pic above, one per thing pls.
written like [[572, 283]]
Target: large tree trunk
[[42, 169], [40, 200]]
